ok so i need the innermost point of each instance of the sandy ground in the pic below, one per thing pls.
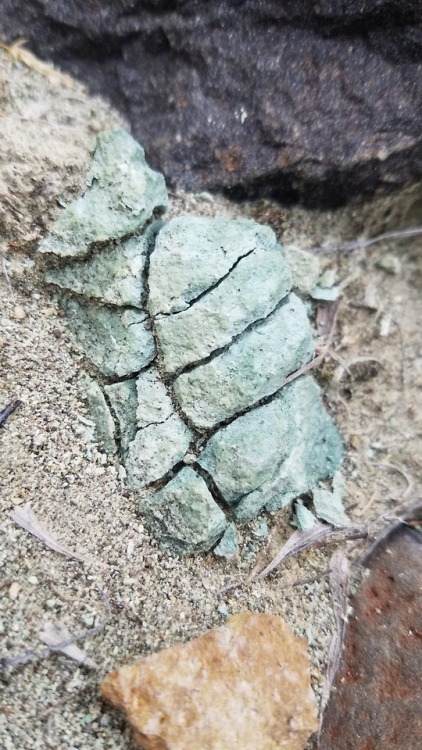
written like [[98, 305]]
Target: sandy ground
[[147, 600]]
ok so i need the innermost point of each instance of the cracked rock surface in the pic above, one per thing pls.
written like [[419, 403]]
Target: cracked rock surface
[[194, 328]]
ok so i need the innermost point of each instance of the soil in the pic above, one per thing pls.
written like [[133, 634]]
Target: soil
[[147, 600]]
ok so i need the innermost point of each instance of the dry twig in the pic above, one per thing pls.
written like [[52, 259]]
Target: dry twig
[[9, 409], [361, 244], [25, 517]]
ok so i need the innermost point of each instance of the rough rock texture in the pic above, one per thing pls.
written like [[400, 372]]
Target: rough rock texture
[[213, 334], [309, 101], [272, 454], [184, 515], [123, 193], [377, 694], [243, 685], [117, 342], [105, 428]]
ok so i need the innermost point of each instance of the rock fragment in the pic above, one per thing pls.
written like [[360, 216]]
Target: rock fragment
[[329, 505], [123, 193], [117, 342], [243, 685], [154, 404], [104, 423], [253, 367], [228, 545], [193, 253], [115, 275], [183, 515], [274, 453], [224, 312], [155, 450]]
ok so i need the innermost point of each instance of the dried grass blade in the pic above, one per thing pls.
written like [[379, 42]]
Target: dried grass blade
[[55, 637], [339, 582], [319, 535], [25, 517]]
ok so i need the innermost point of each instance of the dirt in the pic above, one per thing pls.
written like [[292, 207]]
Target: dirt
[[147, 600]]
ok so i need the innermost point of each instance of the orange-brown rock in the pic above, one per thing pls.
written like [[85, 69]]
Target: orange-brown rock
[[242, 686]]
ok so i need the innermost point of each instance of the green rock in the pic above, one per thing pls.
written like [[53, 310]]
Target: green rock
[[155, 450], [104, 423], [115, 275], [274, 453], [329, 505], [253, 367], [123, 193], [228, 545], [154, 403], [305, 519], [123, 398], [117, 342], [228, 308], [183, 515], [193, 253]]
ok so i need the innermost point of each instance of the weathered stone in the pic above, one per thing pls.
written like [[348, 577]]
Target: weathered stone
[[375, 701], [117, 342], [253, 367], [104, 423], [305, 519], [123, 194], [228, 545], [193, 79], [183, 515], [329, 505], [305, 269], [123, 398], [229, 308], [243, 685], [154, 403], [155, 450], [115, 275], [274, 453], [193, 253]]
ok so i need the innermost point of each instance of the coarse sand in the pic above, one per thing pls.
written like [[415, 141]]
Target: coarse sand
[[146, 599]]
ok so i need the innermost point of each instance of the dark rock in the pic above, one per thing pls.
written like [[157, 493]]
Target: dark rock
[[311, 102], [377, 694]]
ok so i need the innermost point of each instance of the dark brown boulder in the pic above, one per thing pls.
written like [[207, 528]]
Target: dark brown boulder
[[311, 102]]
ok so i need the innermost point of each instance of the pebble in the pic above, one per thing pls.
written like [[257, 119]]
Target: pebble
[[19, 313], [33, 580], [14, 589]]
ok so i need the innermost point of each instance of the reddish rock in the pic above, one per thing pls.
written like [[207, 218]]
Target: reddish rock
[[376, 700], [244, 685]]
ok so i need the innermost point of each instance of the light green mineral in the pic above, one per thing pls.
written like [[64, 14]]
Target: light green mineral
[[117, 342], [123, 398], [183, 515], [253, 367], [224, 312], [123, 193], [296, 444], [115, 275], [155, 450], [305, 519], [104, 423], [193, 253], [329, 505], [154, 403], [305, 269], [228, 545]]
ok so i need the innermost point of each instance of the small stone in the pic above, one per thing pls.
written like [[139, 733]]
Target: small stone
[[389, 263], [253, 367], [184, 515], [305, 519], [228, 545], [123, 194], [324, 294], [19, 313], [329, 505], [117, 342], [33, 580], [14, 589], [101, 414], [245, 685], [155, 450]]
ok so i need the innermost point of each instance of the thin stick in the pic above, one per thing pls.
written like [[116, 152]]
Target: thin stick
[[361, 244], [9, 409]]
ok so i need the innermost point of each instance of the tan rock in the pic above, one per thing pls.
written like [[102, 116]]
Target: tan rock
[[242, 686]]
